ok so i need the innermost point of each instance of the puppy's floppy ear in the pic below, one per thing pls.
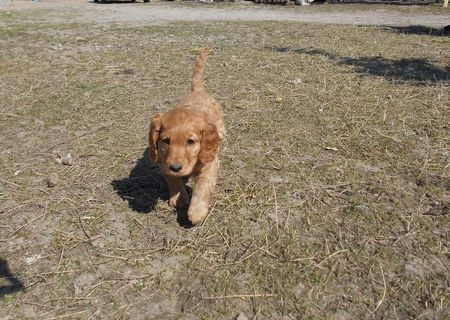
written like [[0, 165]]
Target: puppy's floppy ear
[[155, 127], [209, 143]]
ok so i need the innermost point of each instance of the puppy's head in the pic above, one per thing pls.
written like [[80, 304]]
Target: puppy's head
[[181, 138]]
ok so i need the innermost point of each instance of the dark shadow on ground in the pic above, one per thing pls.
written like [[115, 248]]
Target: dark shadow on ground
[[418, 71], [13, 285], [144, 187], [420, 30]]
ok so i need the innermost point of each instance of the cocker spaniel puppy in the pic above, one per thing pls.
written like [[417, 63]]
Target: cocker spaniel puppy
[[185, 141]]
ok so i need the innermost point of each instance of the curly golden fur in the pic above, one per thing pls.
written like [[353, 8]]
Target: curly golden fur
[[185, 141]]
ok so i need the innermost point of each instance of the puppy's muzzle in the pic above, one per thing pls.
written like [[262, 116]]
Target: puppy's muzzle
[[175, 167]]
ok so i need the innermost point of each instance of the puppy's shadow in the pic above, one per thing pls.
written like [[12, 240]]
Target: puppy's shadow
[[14, 283], [144, 187]]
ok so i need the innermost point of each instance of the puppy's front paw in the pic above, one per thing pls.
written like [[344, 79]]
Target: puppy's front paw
[[197, 212], [179, 201]]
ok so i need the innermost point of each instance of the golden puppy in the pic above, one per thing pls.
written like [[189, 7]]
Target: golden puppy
[[185, 141]]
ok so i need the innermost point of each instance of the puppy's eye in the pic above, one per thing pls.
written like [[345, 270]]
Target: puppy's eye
[[166, 141], [190, 142]]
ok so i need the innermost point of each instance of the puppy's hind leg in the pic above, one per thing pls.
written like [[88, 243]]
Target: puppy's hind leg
[[179, 197]]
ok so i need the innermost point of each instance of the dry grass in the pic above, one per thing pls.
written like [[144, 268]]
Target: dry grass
[[434, 8], [332, 202]]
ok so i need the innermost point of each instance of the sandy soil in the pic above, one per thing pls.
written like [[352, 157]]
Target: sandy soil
[[160, 12], [333, 197]]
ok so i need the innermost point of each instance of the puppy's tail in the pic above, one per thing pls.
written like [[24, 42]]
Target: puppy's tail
[[197, 77]]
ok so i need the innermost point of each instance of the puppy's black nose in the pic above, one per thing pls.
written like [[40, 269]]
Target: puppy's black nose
[[175, 167]]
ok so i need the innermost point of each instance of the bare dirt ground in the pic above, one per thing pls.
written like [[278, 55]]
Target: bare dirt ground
[[160, 12], [334, 191]]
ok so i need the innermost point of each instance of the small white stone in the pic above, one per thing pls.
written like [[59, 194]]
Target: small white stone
[[241, 316], [67, 160]]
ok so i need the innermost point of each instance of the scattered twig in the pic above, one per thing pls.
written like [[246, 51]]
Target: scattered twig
[[302, 259], [131, 279], [138, 222], [76, 138], [37, 304], [26, 224], [70, 299], [276, 208], [84, 230], [241, 296], [389, 137], [384, 289], [333, 254], [68, 315], [9, 182], [61, 255], [209, 214], [268, 253], [113, 257]]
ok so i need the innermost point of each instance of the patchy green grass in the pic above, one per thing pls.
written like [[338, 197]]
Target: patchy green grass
[[333, 197]]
